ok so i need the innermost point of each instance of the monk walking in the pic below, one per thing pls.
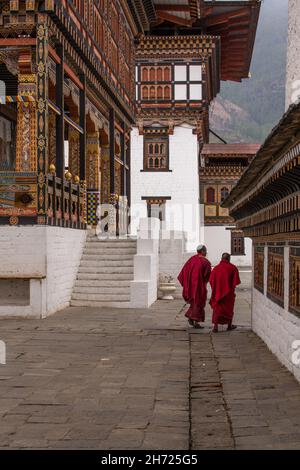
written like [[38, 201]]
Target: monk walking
[[223, 280], [194, 277]]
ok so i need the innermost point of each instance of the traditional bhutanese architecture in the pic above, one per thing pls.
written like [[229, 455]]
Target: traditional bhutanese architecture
[[221, 166], [67, 106], [266, 206], [177, 77], [193, 46], [68, 69], [235, 21]]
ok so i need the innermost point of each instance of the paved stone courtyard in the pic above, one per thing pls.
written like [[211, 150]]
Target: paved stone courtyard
[[121, 379]]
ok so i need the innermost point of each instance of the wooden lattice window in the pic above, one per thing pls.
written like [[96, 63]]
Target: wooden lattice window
[[156, 153], [295, 280], [275, 289], [237, 243], [259, 258]]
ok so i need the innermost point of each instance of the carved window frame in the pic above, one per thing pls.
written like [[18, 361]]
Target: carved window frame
[[156, 148], [237, 243]]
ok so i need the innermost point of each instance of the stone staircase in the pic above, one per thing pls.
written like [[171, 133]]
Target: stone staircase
[[105, 273]]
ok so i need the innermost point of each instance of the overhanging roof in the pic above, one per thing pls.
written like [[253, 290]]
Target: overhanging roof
[[234, 150], [283, 135], [235, 21]]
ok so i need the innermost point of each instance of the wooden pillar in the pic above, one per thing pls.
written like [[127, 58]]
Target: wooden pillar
[[123, 207], [82, 123], [123, 158], [42, 117], [112, 153], [93, 177], [26, 149], [112, 216], [74, 152], [105, 174], [128, 176], [60, 122]]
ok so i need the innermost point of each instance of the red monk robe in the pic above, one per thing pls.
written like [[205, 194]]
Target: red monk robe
[[223, 280], [194, 277]]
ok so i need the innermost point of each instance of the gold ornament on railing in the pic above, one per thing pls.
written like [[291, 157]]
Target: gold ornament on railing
[[52, 169], [68, 176], [76, 179]]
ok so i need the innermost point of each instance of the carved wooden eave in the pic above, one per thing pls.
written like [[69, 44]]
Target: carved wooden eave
[[143, 12], [151, 47], [234, 21], [275, 150], [266, 201]]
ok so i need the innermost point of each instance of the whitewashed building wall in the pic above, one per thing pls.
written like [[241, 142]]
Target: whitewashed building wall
[[181, 184], [43, 263]]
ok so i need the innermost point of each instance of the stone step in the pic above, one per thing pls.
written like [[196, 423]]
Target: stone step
[[105, 277], [101, 297], [106, 269], [106, 257], [100, 283], [111, 243], [116, 291], [100, 304], [96, 249], [106, 263]]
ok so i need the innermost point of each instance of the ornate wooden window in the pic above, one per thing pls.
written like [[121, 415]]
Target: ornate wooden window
[[259, 258], [156, 153], [295, 280], [210, 195], [237, 243], [275, 290]]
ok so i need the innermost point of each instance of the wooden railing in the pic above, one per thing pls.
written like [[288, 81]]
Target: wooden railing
[[66, 203]]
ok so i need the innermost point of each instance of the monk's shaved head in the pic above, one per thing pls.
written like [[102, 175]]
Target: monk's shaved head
[[226, 256], [202, 249]]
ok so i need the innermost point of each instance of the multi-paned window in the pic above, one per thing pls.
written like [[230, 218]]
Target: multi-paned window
[[237, 243], [188, 82], [165, 82], [156, 153]]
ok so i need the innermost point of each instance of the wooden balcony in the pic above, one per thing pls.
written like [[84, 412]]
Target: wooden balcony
[[66, 203]]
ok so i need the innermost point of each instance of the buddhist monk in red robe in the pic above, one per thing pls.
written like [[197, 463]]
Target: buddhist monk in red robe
[[223, 280], [194, 277]]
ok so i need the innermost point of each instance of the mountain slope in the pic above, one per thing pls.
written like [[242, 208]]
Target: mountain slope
[[256, 105]]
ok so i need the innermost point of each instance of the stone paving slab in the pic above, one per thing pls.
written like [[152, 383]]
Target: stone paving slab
[[142, 379], [248, 396], [96, 379]]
